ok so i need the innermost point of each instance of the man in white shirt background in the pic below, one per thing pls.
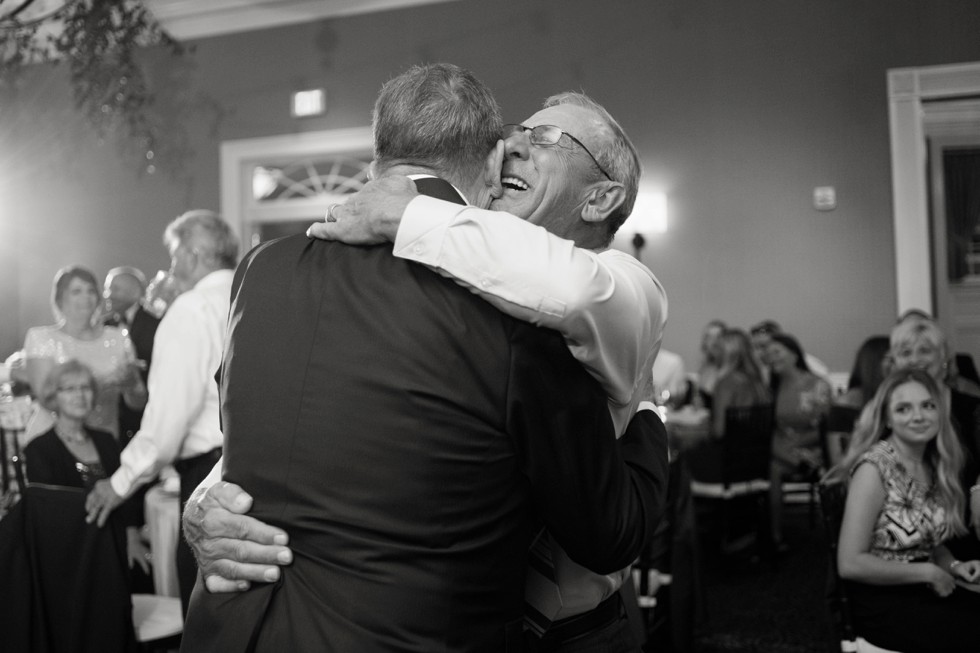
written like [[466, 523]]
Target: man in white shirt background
[[180, 423]]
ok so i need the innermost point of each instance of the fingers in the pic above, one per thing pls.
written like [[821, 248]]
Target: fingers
[[234, 560], [219, 523], [104, 513], [219, 585], [320, 231], [231, 497]]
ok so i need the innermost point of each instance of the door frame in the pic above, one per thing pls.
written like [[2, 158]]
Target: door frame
[[239, 158], [908, 90]]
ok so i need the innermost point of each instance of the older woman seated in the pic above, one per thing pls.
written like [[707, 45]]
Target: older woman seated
[[73, 454]]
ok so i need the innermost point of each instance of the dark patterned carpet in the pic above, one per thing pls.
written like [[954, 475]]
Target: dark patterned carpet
[[760, 607]]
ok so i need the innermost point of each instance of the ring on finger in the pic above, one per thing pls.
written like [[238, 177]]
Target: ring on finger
[[330, 216]]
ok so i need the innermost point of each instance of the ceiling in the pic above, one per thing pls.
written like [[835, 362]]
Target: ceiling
[[192, 19]]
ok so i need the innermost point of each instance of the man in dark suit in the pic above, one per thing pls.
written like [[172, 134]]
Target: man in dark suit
[[123, 291], [407, 435]]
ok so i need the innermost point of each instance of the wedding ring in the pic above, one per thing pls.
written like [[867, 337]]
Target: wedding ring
[[330, 216]]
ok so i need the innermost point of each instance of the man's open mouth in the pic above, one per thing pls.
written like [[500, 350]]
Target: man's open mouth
[[514, 183]]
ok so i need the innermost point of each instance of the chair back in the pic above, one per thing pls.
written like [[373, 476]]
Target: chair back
[[76, 581], [833, 494], [747, 443], [840, 419]]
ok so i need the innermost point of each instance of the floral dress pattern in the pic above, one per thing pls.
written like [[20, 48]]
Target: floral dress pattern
[[909, 523]]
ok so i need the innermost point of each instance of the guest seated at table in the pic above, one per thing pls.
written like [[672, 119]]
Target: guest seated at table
[[740, 382], [921, 344], [72, 454], [870, 367], [710, 367], [761, 337], [106, 350], [904, 500], [802, 398]]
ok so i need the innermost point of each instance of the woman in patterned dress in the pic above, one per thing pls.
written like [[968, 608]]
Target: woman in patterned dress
[[106, 350], [904, 500]]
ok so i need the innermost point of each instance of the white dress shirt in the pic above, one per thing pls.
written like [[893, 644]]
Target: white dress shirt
[[181, 417], [610, 308]]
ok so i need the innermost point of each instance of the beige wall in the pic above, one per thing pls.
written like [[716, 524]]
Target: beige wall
[[738, 109]]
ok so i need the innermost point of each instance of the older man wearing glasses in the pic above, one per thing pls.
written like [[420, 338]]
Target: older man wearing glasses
[[571, 175]]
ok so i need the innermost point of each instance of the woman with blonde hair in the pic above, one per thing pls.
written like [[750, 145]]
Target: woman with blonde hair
[[740, 381], [904, 501], [918, 343], [106, 350]]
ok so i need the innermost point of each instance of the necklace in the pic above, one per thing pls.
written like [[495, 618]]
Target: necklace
[[78, 437]]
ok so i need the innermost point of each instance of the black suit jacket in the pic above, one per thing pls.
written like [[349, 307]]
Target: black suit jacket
[[411, 439]]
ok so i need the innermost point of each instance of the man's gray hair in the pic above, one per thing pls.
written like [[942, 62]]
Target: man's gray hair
[[437, 116], [206, 232], [616, 154]]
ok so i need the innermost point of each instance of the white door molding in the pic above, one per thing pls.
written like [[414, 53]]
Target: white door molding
[[908, 90], [240, 158]]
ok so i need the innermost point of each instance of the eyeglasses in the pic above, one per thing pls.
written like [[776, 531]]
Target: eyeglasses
[[550, 135]]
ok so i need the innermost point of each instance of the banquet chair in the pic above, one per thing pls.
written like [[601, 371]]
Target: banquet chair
[[735, 471], [803, 487], [832, 496], [839, 426]]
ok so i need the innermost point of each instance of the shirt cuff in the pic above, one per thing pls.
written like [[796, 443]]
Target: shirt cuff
[[422, 216], [121, 482]]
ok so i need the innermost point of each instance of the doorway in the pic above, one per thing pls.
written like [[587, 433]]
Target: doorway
[[278, 185], [931, 110], [953, 134]]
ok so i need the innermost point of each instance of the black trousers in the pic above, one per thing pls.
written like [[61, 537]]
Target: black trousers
[[192, 471]]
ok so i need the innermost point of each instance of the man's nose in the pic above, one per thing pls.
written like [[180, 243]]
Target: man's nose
[[517, 146]]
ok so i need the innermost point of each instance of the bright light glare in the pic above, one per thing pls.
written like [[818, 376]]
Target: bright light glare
[[649, 214]]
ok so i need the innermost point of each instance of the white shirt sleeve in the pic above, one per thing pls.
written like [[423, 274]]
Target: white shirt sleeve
[[177, 386], [609, 306]]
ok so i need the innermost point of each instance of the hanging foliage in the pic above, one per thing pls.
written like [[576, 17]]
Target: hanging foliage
[[99, 41]]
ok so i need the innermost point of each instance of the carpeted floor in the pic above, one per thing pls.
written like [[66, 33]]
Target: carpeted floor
[[759, 607]]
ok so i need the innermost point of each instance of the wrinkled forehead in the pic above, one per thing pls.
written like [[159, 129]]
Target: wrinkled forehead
[[578, 121]]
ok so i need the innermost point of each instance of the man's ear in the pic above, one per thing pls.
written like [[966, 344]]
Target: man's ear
[[491, 170], [604, 198]]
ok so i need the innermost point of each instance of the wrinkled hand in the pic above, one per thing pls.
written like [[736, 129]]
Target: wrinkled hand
[[941, 582], [370, 216], [232, 548], [100, 502]]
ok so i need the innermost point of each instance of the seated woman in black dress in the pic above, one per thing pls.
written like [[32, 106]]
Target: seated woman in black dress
[[71, 453], [904, 500]]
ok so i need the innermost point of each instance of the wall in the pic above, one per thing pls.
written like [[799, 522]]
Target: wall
[[738, 110]]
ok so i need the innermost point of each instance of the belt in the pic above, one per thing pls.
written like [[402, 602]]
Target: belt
[[208, 457], [569, 628]]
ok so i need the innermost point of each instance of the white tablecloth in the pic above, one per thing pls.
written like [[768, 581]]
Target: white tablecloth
[[163, 523]]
